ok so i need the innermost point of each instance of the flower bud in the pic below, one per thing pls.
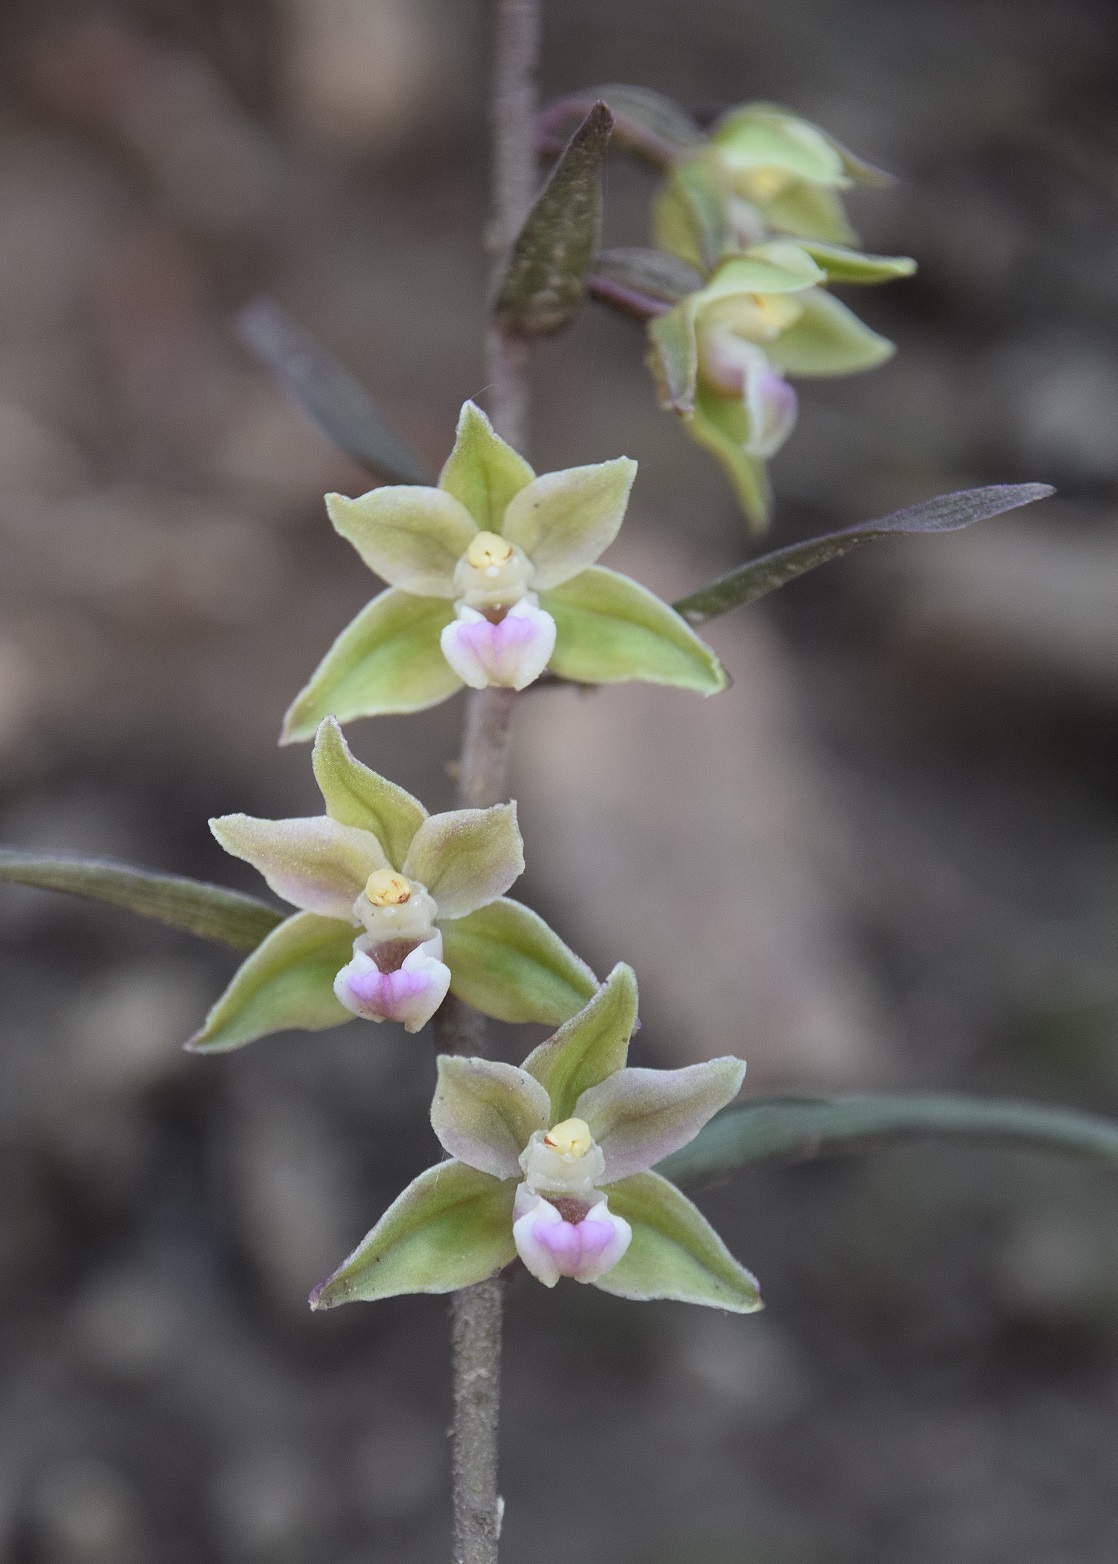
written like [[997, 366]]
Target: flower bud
[[511, 651], [394, 980], [584, 1243]]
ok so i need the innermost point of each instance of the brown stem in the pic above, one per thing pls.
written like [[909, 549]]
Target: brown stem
[[483, 774]]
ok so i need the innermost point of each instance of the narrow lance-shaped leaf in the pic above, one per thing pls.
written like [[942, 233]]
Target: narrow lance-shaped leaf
[[325, 389], [545, 279], [647, 122], [641, 283], [191, 905], [788, 1129], [946, 513]]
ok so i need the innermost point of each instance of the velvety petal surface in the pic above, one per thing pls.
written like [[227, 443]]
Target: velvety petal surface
[[314, 863], [482, 471], [387, 660], [286, 984], [506, 962], [357, 796], [640, 1116], [450, 1228], [484, 1113], [466, 857], [590, 1046], [674, 1252], [564, 520], [411, 536]]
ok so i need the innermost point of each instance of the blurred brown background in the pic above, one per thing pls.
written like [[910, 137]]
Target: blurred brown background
[[888, 856]]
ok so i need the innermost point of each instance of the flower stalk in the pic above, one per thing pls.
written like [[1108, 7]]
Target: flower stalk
[[483, 765]]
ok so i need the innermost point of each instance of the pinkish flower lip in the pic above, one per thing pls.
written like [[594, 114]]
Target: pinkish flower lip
[[509, 651], [575, 1247]]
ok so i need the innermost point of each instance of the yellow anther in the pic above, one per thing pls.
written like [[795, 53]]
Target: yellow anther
[[765, 183], [487, 550], [572, 1138], [386, 888]]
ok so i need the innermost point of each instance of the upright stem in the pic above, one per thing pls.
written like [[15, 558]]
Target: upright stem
[[483, 773]]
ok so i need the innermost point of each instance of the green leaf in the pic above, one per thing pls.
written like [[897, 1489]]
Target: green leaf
[[388, 660], [545, 279], [641, 283], [485, 1113], [590, 1046], [828, 339], [946, 513], [843, 265], [286, 984], [720, 424], [411, 537], [357, 796], [451, 1228], [325, 390], [467, 857], [645, 122], [790, 1129], [506, 962], [675, 1253], [191, 905], [610, 630], [483, 472], [564, 520]]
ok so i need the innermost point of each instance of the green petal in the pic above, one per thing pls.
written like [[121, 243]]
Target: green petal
[[286, 984], [675, 1253], [564, 520], [388, 660], [482, 471], [762, 135], [485, 1112], [720, 424], [828, 339], [412, 537], [358, 796], [673, 356], [639, 1117], [610, 630], [777, 267], [314, 863], [809, 212], [467, 857], [450, 1228], [506, 962], [689, 214], [844, 265], [590, 1046]]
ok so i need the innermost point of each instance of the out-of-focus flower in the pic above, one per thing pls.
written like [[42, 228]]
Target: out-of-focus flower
[[492, 579], [552, 1161], [396, 907]]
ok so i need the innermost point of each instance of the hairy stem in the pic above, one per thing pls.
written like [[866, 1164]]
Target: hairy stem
[[483, 766]]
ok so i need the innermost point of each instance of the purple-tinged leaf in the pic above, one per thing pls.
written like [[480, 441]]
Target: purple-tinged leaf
[[641, 283], [545, 279], [946, 513], [325, 390]]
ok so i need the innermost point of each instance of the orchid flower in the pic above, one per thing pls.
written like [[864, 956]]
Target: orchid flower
[[396, 907], [552, 1162], [492, 579]]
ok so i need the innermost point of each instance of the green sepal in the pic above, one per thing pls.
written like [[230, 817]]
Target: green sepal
[[673, 356], [809, 212], [482, 472], [209, 911], [828, 339], [450, 1228], [358, 796], [781, 266], [286, 984], [590, 1046], [720, 424], [507, 962], [844, 265], [609, 630], [689, 215], [387, 660], [674, 1253], [766, 135]]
